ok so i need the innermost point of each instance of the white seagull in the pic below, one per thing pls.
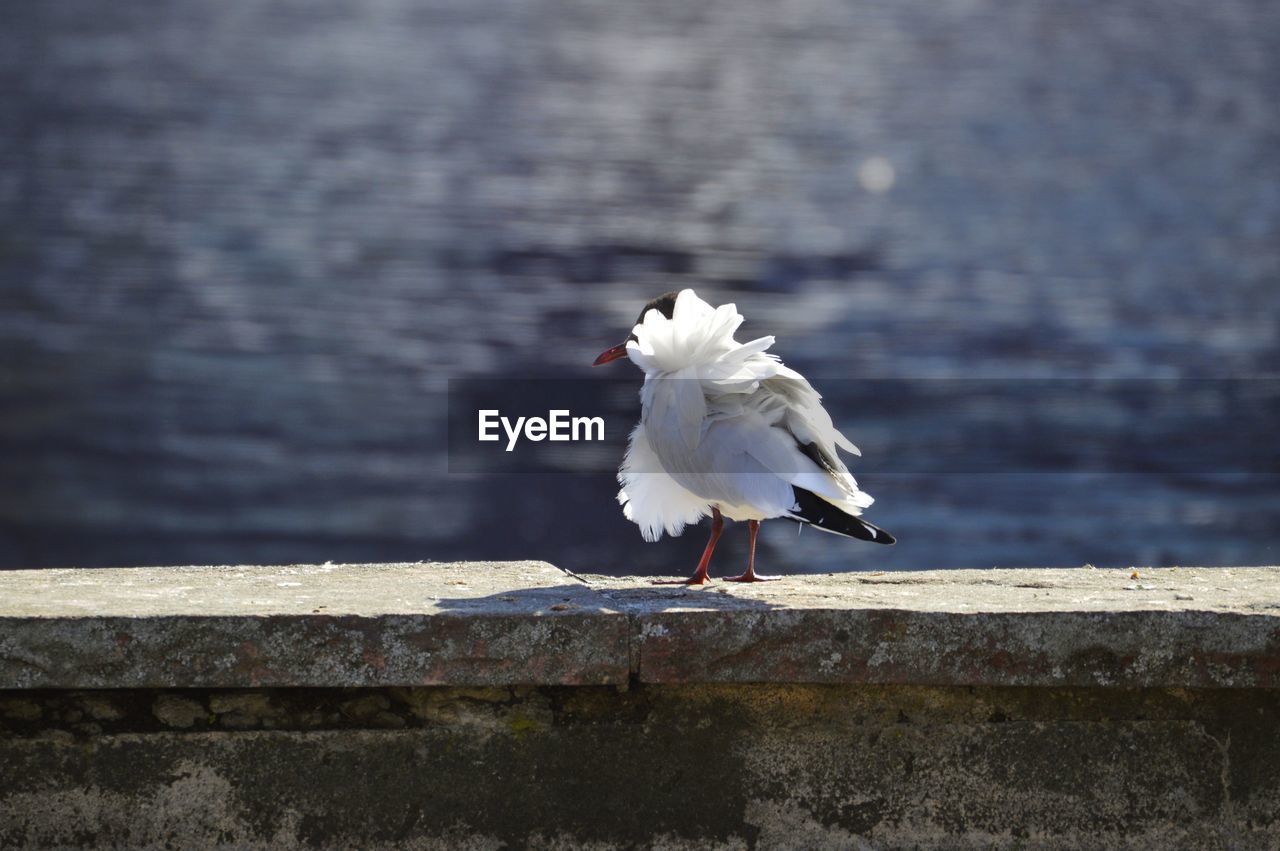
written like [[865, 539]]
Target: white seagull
[[727, 430]]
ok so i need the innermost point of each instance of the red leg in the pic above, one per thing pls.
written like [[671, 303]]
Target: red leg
[[700, 575], [751, 575]]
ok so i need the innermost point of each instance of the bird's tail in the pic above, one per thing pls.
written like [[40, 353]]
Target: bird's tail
[[815, 511]]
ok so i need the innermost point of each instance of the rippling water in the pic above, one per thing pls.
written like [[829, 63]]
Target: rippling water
[[245, 245]]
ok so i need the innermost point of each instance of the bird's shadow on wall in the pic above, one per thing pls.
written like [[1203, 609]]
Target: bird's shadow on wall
[[584, 598]]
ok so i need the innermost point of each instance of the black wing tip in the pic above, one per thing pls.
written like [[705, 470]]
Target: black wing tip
[[883, 537], [819, 513], [875, 534]]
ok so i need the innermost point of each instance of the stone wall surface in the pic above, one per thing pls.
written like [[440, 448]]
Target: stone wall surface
[[490, 705]]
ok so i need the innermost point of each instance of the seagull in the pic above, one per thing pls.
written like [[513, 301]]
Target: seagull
[[727, 430]]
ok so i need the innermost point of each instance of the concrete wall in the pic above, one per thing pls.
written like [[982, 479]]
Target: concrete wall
[[491, 705]]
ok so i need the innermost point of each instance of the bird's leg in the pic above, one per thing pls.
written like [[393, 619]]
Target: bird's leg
[[700, 575], [751, 575]]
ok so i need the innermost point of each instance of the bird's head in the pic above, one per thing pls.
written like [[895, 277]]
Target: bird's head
[[664, 304]]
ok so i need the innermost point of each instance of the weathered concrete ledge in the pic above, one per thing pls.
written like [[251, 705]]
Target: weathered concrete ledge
[[529, 623], [467, 624], [514, 705]]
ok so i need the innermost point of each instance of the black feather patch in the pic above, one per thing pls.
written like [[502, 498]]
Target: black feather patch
[[664, 304], [817, 456], [817, 512]]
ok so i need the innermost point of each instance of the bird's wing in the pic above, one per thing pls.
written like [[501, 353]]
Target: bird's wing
[[745, 461], [652, 499], [749, 448], [716, 466], [763, 435], [677, 406], [807, 419]]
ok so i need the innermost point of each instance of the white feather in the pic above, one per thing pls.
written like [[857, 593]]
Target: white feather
[[651, 498]]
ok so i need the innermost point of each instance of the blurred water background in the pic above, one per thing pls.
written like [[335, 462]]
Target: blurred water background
[[245, 244]]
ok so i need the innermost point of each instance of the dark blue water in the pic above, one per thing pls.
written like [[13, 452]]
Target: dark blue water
[[243, 247]]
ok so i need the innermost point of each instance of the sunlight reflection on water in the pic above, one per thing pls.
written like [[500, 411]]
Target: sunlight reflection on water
[[243, 253]]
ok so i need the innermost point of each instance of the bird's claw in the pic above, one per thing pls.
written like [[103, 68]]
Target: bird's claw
[[752, 577]]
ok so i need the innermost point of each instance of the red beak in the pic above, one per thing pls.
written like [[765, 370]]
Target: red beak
[[618, 351]]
